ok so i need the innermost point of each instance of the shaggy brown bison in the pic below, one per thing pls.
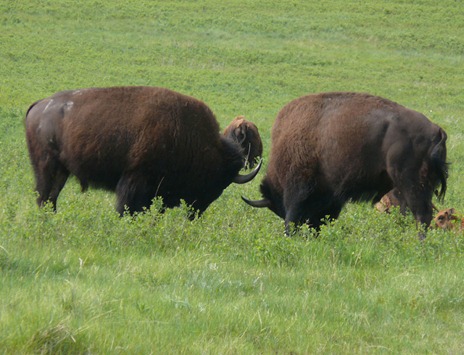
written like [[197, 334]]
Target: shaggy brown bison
[[141, 142], [330, 148], [247, 135]]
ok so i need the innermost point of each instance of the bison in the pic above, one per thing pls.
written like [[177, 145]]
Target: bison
[[389, 200], [247, 135], [141, 142], [449, 219], [330, 148]]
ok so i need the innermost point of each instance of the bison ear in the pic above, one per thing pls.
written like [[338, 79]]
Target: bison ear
[[241, 133]]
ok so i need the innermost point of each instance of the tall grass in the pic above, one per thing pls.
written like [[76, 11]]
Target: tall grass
[[84, 280]]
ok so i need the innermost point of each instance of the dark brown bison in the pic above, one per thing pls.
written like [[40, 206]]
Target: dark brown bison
[[141, 142], [247, 135], [330, 148]]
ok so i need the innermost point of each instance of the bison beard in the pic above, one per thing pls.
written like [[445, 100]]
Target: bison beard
[[141, 142], [330, 148]]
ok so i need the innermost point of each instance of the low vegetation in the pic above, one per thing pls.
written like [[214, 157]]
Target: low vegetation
[[84, 280]]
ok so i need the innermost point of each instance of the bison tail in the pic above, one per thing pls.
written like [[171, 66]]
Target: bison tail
[[439, 164]]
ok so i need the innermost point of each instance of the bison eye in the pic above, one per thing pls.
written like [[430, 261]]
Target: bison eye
[[441, 218]]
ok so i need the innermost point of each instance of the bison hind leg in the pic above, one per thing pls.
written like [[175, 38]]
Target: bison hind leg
[[313, 211], [134, 193], [50, 179]]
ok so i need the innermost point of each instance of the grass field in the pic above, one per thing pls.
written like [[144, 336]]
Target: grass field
[[84, 280]]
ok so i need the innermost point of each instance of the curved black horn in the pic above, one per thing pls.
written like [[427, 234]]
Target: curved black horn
[[241, 179], [258, 203]]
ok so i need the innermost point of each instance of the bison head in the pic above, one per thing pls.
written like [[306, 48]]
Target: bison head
[[246, 134], [447, 219]]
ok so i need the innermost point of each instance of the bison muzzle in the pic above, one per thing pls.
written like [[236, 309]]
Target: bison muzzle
[[141, 142]]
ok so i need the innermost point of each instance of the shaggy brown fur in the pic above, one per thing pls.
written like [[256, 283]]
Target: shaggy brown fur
[[388, 201], [141, 142], [448, 219], [331, 148], [247, 135]]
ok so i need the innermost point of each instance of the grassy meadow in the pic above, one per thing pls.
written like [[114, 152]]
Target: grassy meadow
[[85, 281]]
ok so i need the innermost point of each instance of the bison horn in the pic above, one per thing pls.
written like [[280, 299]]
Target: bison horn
[[258, 203], [241, 179]]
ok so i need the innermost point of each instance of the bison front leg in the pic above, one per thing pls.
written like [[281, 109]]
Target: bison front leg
[[304, 205], [296, 211], [313, 212], [133, 193]]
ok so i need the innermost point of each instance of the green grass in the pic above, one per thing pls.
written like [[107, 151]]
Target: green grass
[[84, 280]]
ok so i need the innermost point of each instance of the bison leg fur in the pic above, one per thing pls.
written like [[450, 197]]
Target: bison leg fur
[[51, 179], [133, 193], [295, 199], [302, 206]]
